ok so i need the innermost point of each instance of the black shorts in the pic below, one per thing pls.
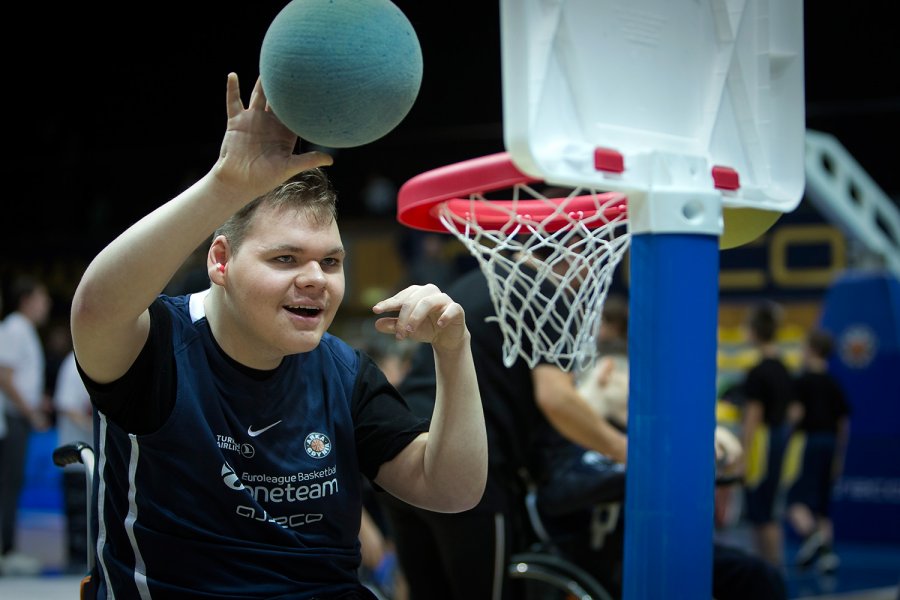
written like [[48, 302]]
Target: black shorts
[[814, 483], [760, 500]]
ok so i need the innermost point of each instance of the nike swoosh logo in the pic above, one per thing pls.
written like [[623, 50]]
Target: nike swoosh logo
[[252, 433]]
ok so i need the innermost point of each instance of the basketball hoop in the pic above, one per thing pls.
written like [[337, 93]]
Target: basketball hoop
[[548, 258]]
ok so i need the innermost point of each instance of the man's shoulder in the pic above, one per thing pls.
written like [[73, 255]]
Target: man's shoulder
[[340, 350], [175, 304]]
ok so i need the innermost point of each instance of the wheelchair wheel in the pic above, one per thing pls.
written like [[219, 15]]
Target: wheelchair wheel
[[376, 591], [547, 577]]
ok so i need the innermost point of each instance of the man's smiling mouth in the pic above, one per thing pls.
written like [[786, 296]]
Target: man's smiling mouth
[[304, 311]]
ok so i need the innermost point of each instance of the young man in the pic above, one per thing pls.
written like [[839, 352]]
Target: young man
[[232, 428]]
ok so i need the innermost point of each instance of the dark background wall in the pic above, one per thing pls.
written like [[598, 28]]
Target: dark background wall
[[112, 108]]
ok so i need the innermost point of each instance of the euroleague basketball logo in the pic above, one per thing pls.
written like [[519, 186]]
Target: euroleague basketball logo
[[318, 445]]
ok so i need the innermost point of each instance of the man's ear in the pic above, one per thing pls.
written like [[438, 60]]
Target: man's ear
[[217, 260]]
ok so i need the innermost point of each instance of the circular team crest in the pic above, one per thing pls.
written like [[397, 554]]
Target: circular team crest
[[858, 346], [230, 477], [318, 445]]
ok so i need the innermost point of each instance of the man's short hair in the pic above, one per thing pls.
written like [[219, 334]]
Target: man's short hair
[[309, 191]]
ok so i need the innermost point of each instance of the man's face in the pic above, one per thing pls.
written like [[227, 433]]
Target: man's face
[[284, 286]]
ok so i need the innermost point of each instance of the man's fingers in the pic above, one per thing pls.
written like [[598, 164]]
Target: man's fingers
[[405, 296], [233, 104], [258, 96], [386, 325], [418, 305], [310, 160], [403, 301], [451, 312], [424, 308]]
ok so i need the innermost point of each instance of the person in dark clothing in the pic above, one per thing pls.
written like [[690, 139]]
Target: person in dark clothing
[[464, 555], [767, 390], [541, 425], [824, 426], [576, 492]]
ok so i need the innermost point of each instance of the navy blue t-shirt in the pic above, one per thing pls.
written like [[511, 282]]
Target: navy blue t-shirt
[[220, 481]]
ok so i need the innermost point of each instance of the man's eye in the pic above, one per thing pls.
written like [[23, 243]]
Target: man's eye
[[284, 259], [331, 262]]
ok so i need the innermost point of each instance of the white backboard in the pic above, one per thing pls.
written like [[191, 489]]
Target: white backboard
[[668, 90]]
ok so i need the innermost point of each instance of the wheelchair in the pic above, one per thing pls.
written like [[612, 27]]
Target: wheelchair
[[551, 552], [81, 452], [70, 454], [579, 555]]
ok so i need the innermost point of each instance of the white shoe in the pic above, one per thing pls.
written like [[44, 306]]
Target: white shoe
[[828, 563], [15, 564], [810, 550]]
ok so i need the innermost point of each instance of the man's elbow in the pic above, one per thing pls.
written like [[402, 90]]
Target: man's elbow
[[85, 309], [475, 495], [465, 491], [465, 497]]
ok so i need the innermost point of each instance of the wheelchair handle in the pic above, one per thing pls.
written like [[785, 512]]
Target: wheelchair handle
[[71, 454]]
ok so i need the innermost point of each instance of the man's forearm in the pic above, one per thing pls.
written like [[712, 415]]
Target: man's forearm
[[457, 443]]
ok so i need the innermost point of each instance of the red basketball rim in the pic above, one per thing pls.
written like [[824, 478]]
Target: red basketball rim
[[419, 199]]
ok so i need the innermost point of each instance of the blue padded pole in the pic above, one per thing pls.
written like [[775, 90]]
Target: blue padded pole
[[671, 459]]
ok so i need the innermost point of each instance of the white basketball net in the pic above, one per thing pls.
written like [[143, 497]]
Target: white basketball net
[[519, 256]]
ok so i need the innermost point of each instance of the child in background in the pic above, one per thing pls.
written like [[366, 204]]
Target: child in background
[[821, 405]]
